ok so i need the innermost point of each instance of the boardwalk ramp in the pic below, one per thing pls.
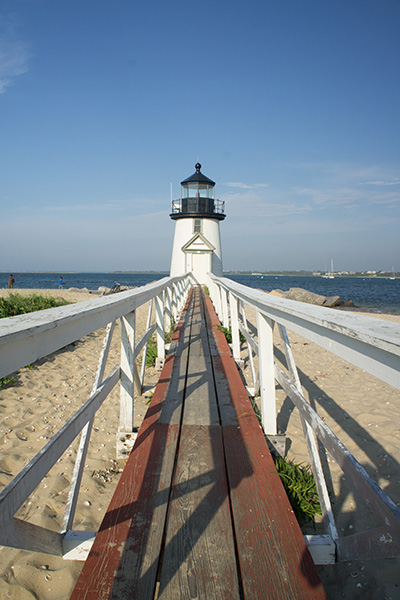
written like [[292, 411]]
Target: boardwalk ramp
[[199, 511]]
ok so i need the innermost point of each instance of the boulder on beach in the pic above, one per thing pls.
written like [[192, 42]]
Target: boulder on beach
[[278, 293], [103, 290], [305, 296], [83, 290], [301, 295], [332, 301]]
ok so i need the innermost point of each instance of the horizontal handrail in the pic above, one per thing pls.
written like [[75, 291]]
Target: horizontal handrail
[[26, 338], [367, 342]]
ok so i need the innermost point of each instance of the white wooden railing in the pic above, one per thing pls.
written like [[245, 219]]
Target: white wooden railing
[[27, 338], [372, 344]]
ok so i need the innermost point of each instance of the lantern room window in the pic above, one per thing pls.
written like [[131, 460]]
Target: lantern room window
[[197, 190]]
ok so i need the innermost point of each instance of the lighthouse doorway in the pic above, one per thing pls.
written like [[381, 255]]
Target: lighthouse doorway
[[199, 264]]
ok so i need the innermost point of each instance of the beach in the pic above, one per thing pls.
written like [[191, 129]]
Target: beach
[[360, 409]]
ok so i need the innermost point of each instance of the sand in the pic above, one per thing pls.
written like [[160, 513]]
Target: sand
[[363, 411]]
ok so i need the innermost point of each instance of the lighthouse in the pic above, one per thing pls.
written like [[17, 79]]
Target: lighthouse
[[197, 240]]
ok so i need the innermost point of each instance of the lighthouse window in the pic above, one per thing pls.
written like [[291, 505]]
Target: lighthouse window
[[203, 190], [196, 225]]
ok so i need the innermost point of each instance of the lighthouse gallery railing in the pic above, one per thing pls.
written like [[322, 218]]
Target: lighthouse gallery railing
[[372, 344], [25, 339]]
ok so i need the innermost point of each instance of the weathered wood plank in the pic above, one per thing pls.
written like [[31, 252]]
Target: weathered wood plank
[[367, 545], [272, 560], [272, 552], [33, 538], [199, 555], [123, 561]]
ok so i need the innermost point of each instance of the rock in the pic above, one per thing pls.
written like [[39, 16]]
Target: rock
[[305, 296], [301, 295], [349, 304], [80, 290], [103, 290], [278, 293], [332, 301]]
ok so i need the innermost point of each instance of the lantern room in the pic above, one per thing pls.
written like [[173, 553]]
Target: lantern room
[[197, 198]]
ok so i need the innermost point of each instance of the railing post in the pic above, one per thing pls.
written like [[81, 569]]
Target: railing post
[[160, 332], [265, 328], [216, 298], [168, 306], [184, 290], [233, 307], [174, 308], [224, 302], [255, 378], [178, 296], [126, 436], [181, 295]]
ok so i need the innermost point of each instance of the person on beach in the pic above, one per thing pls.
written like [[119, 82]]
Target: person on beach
[[60, 283], [11, 282]]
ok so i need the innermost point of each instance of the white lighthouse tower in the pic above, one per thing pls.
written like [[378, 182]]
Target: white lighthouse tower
[[197, 241]]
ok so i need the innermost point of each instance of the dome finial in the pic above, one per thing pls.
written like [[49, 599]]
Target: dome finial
[[197, 167]]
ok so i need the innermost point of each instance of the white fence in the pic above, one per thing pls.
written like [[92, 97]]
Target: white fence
[[371, 344], [27, 338]]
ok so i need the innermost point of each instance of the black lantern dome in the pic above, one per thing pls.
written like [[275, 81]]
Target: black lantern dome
[[197, 198]]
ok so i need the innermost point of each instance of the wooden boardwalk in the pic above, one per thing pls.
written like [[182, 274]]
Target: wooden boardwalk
[[199, 511]]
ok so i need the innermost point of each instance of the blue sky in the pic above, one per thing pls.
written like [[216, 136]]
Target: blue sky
[[291, 106]]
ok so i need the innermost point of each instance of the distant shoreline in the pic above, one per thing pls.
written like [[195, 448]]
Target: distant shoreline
[[362, 274]]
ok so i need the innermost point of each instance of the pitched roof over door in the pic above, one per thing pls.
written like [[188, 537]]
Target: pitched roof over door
[[198, 243]]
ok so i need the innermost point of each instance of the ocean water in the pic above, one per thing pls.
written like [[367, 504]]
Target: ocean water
[[374, 294], [91, 281]]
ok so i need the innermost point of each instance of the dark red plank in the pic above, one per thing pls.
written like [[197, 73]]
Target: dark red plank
[[274, 560]]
